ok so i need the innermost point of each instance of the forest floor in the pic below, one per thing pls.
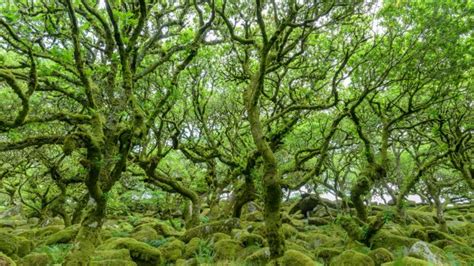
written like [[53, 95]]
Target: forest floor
[[317, 240]]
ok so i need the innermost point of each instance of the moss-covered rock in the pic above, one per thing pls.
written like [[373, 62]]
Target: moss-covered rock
[[380, 256], [227, 249], [318, 221], [295, 258], [139, 251], [298, 247], [25, 246], [35, 259], [423, 218], [289, 231], [64, 236], [424, 251], [5, 260], [145, 233], [352, 258], [172, 250], [202, 231], [112, 262], [259, 257], [255, 216], [44, 232], [219, 236], [407, 261], [8, 243], [192, 247], [418, 232], [161, 228], [392, 242], [326, 254], [434, 235], [317, 239], [249, 239], [119, 254]]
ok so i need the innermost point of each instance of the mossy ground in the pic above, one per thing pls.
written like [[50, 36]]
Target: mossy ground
[[149, 241]]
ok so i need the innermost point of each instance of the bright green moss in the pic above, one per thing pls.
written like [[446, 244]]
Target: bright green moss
[[352, 258]]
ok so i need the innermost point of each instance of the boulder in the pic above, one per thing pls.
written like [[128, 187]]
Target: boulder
[[352, 258], [380, 256], [227, 249]]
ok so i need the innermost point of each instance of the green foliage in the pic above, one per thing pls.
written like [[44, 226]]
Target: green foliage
[[57, 253]]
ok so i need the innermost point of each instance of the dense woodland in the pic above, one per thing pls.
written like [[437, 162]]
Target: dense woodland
[[236, 132]]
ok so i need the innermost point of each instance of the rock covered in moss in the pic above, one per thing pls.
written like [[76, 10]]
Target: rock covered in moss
[[316, 239], [289, 231], [255, 216], [390, 241], [249, 239], [259, 257], [139, 251], [227, 249], [192, 247], [352, 258], [202, 231], [25, 246], [295, 258], [380, 256], [326, 254], [121, 254], [44, 232], [172, 250], [8, 243], [5, 260], [112, 262], [407, 261], [36, 259], [423, 218], [219, 236], [144, 234], [424, 251], [64, 236]]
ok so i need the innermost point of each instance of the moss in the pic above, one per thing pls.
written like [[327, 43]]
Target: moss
[[423, 218], [227, 249], [248, 239], [25, 246], [326, 254], [202, 231], [192, 247], [352, 258], [36, 259], [8, 244], [259, 257], [63, 236], [139, 251], [316, 239], [318, 221], [295, 258], [47, 231], [288, 231], [172, 250], [407, 261], [163, 229], [255, 216], [425, 251], [5, 260], [352, 228], [434, 235], [219, 236], [297, 247], [392, 242], [145, 234], [120, 254], [418, 232], [381, 255], [112, 262]]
